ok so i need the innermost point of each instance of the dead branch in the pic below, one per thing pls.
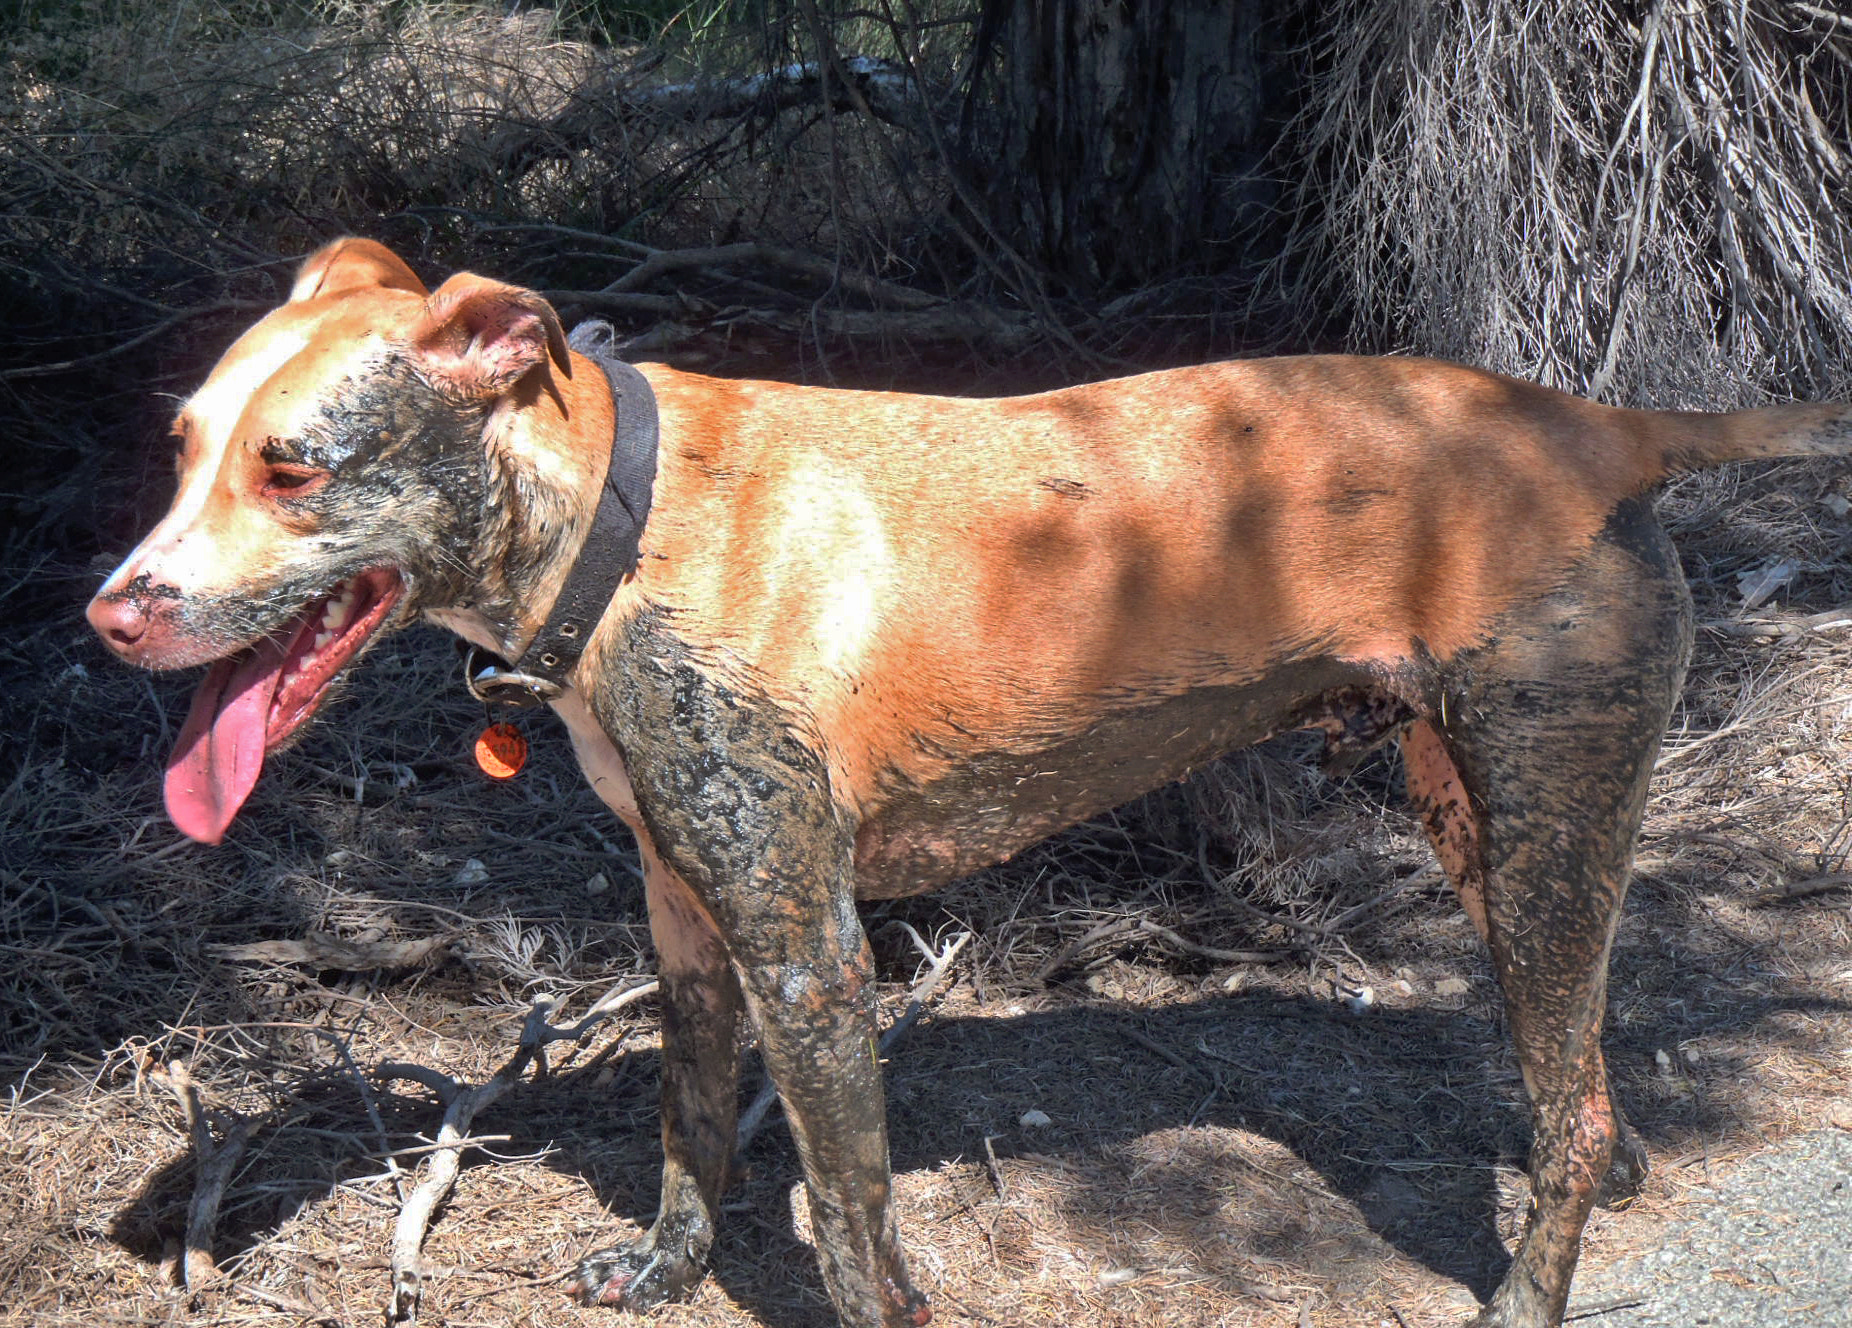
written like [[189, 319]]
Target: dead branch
[[752, 253], [856, 84], [1150, 928], [927, 321], [324, 950], [1780, 627], [461, 1105], [1785, 894], [213, 1162]]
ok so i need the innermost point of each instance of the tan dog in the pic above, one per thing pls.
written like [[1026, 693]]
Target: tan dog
[[879, 641]]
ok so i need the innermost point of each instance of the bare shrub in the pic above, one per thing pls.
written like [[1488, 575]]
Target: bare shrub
[[1646, 205]]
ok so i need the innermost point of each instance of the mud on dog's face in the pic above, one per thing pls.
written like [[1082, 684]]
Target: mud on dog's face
[[332, 473]]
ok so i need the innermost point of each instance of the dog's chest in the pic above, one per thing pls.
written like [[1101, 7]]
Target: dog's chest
[[598, 759]]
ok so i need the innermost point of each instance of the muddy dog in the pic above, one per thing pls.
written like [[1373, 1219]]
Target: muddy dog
[[873, 642]]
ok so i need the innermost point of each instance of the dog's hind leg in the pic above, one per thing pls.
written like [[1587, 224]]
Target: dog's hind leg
[[1552, 729], [700, 1101], [1452, 822]]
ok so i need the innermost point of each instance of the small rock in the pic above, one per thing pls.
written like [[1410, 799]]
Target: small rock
[[1034, 1120], [598, 884], [1452, 987], [472, 873], [1361, 1001], [1663, 1061]]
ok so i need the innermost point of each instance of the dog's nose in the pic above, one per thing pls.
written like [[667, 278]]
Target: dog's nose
[[121, 620]]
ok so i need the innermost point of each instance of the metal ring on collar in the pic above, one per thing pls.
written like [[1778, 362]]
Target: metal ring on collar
[[492, 682]]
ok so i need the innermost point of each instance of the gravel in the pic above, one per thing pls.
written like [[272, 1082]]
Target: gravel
[[1768, 1244]]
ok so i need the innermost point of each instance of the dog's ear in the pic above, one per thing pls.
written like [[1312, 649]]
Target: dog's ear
[[479, 337], [351, 263]]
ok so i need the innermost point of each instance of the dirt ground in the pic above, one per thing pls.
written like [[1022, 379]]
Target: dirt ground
[[1230, 1056]]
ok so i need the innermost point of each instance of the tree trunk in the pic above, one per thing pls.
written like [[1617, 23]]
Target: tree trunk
[[1124, 128]]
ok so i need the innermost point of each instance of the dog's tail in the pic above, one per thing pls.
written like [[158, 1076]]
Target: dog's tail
[[1690, 440]]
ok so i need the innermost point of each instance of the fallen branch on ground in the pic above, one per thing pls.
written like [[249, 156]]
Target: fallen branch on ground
[[461, 1104], [214, 1161], [1784, 894]]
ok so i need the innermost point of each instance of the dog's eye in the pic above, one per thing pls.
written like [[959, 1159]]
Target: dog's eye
[[293, 481]]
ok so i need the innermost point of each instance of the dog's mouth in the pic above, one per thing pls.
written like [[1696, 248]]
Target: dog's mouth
[[251, 702]]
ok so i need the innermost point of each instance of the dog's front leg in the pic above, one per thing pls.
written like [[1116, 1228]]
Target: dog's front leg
[[700, 1101], [811, 996], [787, 911], [733, 791]]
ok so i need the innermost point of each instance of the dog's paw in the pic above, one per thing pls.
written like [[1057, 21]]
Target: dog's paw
[[1626, 1172], [638, 1276]]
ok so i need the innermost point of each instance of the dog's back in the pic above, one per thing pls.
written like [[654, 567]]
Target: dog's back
[[937, 603]]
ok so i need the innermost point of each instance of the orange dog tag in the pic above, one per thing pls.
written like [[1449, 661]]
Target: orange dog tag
[[501, 751]]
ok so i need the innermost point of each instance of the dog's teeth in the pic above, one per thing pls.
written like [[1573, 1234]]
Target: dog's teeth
[[323, 638], [336, 615]]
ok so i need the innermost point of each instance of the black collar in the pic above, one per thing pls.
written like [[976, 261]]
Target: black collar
[[609, 553]]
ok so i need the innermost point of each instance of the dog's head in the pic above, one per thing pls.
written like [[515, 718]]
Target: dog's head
[[332, 479]]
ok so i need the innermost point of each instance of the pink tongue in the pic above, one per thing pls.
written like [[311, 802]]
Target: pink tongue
[[221, 749]]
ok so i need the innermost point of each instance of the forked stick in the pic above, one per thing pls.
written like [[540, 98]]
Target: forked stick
[[214, 1162], [461, 1103]]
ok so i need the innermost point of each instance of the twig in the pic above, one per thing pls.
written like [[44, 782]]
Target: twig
[[1421, 876], [1818, 885], [1104, 931], [938, 963], [146, 334], [1600, 1307], [213, 1162], [1216, 882], [300, 1306], [368, 1099], [963, 322], [1157, 1048], [461, 1105], [1150, 928], [756, 254], [1781, 628], [996, 1169]]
